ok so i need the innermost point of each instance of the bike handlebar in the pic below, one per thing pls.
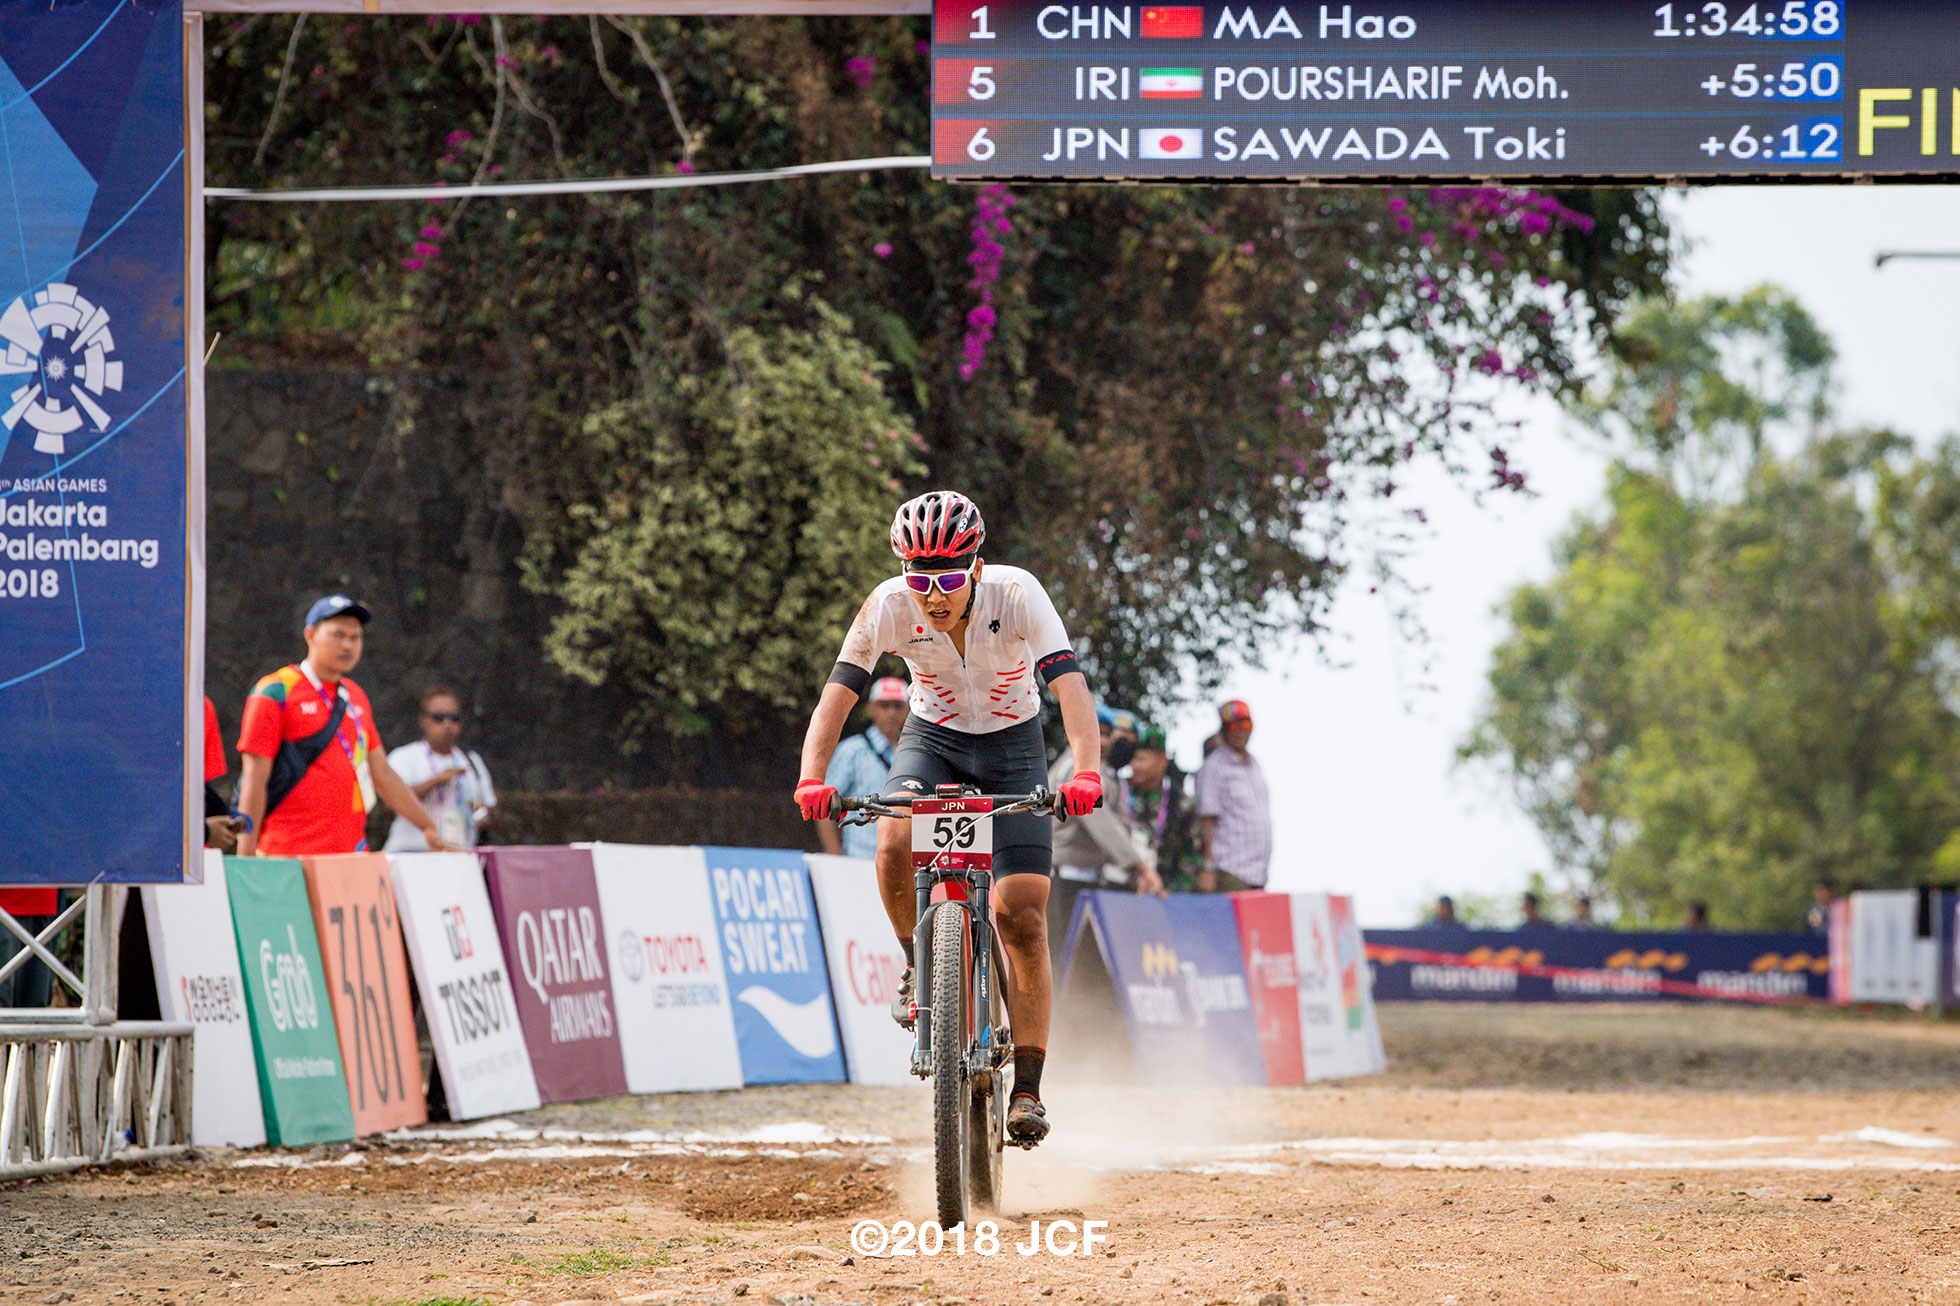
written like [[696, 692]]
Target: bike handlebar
[[1043, 801]]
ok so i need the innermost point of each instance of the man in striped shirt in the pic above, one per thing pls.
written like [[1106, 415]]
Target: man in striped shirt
[[1234, 815]]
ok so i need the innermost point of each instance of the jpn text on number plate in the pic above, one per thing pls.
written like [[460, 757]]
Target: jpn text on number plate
[[953, 833]]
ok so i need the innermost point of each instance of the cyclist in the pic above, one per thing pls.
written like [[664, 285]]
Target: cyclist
[[975, 637]]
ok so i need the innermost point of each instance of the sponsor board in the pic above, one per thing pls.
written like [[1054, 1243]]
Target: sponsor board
[[1338, 1032], [547, 908], [1889, 958], [670, 989], [195, 956], [1560, 965], [464, 980], [101, 480], [367, 975], [773, 949], [302, 1086], [1272, 977], [865, 966], [1179, 981]]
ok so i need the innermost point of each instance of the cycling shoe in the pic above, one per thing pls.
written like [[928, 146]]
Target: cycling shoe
[[1027, 1120]]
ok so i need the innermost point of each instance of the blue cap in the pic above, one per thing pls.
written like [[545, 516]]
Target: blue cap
[[1116, 718], [337, 605]]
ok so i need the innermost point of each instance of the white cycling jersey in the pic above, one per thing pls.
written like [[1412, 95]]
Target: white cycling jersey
[[1013, 632]]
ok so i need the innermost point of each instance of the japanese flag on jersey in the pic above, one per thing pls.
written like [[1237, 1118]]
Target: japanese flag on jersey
[[1171, 143]]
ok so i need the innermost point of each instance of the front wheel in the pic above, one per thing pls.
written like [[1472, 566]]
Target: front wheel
[[952, 1097]]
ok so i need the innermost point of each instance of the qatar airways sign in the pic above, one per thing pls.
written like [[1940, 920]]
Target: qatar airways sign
[[546, 903]]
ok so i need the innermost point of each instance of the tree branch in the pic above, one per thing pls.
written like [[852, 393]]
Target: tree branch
[[666, 87], [279, 99]]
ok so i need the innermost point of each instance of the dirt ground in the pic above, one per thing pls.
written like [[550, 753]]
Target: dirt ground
[[1605, 1154]]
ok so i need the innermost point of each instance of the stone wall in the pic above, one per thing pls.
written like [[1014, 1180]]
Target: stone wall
[[314, 489]]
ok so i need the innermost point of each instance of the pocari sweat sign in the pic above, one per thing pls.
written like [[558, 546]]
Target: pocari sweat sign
[[101, 532], [772, 948]]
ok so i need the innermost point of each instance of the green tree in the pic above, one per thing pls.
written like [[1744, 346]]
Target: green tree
[[1187, 398], [725, 560], [1722, 694]]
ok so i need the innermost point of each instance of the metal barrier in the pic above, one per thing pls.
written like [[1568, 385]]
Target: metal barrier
[[78, 1095], [82, 1088]]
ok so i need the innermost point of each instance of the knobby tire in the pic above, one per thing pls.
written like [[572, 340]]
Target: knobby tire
[[952, 1097]]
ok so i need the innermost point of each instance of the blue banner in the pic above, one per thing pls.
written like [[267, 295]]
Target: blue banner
[[1179, 977], [98, 718], [778, 984], [1558, 965]]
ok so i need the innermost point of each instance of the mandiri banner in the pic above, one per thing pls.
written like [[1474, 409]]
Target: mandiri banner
[[101, 541], [1545, 964], [1177, 975]]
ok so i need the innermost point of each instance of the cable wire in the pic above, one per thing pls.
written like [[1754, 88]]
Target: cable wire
[[588, 186]]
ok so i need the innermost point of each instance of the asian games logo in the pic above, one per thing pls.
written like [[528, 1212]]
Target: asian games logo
[[61, 344]]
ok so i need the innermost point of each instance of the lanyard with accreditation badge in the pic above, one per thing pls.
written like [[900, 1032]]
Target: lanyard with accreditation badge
[[360, 765]]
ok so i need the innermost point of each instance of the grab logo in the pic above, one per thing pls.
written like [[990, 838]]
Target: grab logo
[[60, 347]]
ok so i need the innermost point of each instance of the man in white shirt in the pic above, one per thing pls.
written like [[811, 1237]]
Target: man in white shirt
[[451, 782], [1234, 815]]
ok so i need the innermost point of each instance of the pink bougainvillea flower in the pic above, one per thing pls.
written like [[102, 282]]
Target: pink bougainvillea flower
[[883, 249], [457, 139], [412, 264], [685, 167], [861, 69], [924, 48], [432, 231], [549, 52], [423, 249]]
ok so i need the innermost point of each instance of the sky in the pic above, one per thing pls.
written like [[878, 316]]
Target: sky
[[1358, 746]]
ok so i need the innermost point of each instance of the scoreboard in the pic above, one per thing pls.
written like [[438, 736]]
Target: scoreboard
[[1542, 90]]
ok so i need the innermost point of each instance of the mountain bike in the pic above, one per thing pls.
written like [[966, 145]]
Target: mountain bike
[[962, 1039]]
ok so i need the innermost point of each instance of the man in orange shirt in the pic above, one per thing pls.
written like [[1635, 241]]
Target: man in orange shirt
[[310, 751]]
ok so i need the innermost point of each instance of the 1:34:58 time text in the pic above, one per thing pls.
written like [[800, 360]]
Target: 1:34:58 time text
[[1792, 19]]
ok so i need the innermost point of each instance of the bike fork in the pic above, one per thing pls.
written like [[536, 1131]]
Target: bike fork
[[922, 976]]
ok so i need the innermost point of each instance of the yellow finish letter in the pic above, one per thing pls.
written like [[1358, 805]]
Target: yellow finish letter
[[1869, 122]]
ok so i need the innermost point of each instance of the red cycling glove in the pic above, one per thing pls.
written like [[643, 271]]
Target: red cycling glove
[[1082, 793], [816, 799]]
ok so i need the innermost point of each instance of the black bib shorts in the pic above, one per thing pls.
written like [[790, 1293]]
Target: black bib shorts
[[1010, 761]]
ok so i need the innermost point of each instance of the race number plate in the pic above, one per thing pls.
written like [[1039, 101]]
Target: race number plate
[[953, 833]]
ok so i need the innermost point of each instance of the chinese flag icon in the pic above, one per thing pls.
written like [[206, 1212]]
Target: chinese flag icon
[[1177, 23]]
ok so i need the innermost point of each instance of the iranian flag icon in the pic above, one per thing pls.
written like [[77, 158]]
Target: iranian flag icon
[[1172, 83], [1175, 23], [1171, 143]]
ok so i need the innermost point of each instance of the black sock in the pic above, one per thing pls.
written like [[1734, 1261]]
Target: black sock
[[1027, 1071]]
